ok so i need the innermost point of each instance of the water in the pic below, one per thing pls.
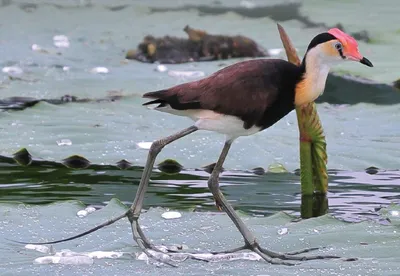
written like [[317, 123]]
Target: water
[[359, 118], [353, 196]]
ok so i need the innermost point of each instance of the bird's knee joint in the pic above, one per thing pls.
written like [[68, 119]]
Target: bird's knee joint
[[156, 147], [252, 244], [132, 215]]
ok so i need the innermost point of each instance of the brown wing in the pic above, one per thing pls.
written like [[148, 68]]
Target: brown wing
[[244, 89]]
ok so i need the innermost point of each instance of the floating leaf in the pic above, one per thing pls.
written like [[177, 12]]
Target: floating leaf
[[277, 168], [23, 157], [170, 166], [76, 162], [372, 170], [372, 246], [258, 171], [124, 164]]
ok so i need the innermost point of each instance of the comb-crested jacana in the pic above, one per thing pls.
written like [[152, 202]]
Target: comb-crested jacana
[[240, 100]]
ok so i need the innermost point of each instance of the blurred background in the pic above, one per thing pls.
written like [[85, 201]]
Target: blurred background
[[78, 94]]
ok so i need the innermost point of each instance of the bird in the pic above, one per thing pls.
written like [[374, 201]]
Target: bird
[[241, 100]]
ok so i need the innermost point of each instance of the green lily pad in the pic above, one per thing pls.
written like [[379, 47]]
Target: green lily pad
[[374, 245], [170, 166], [76, 162], [277, 168], [23, 157]]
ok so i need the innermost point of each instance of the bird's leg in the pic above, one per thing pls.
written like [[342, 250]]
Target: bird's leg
[[249, 238], [134, 212]]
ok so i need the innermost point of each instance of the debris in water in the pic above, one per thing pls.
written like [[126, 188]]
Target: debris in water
[[144, 145], [74, 260], [171, 215], [99, 70], [61, 41], [86, 211], [186, 74], [37, 48], [283, 231], [67, 256], [161, 68], [90, 209], [105, 254], [394, 213], [82, 213], [64, 142], [41, 248], [13, 70]]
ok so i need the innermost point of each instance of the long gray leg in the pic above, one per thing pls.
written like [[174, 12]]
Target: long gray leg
[[136, 208], [249, 238]]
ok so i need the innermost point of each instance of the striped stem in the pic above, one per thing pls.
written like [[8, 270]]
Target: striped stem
[[313, 157]]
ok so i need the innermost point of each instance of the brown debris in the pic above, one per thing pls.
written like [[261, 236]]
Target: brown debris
[[199, 46]]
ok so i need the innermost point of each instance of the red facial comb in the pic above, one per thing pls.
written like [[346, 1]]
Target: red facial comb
[[344, 38]]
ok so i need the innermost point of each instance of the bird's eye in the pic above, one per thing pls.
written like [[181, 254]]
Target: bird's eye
[[339, 46]]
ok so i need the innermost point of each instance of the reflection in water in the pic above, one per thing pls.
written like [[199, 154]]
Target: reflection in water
[[352, 195]]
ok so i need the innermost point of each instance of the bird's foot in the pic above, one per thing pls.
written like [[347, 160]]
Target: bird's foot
[[280, 258], [161, 254]]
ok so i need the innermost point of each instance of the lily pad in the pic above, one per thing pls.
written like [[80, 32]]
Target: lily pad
[[375, 246]]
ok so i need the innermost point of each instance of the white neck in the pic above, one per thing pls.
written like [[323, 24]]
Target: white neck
[[316, 73]]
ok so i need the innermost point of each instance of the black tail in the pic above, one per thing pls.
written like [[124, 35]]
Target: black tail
[[157, 95], [160, 102]]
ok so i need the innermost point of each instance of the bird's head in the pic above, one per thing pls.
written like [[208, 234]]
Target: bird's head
[[336, 45]]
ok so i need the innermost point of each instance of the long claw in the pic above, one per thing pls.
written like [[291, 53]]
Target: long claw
[[305, 250], [291, 255], [234, 250], [153, 256], [271, 260]]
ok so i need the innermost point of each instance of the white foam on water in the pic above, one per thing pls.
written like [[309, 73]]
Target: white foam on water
[[105, 254], [171, 215], [180, 257], [41, 248], [186, 74], [161, 68], [83, 213], [69, 257], [90, 209], [144, 145], [283, 231], [100, 70], [61, 41], [12, 70]]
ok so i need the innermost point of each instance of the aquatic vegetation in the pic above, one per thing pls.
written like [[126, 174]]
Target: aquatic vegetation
[[199, 46]]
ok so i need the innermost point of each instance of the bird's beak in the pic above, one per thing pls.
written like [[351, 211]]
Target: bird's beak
[[356, 56], [366, 61]]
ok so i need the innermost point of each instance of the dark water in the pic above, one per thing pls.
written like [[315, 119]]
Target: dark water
[[352, 195]]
